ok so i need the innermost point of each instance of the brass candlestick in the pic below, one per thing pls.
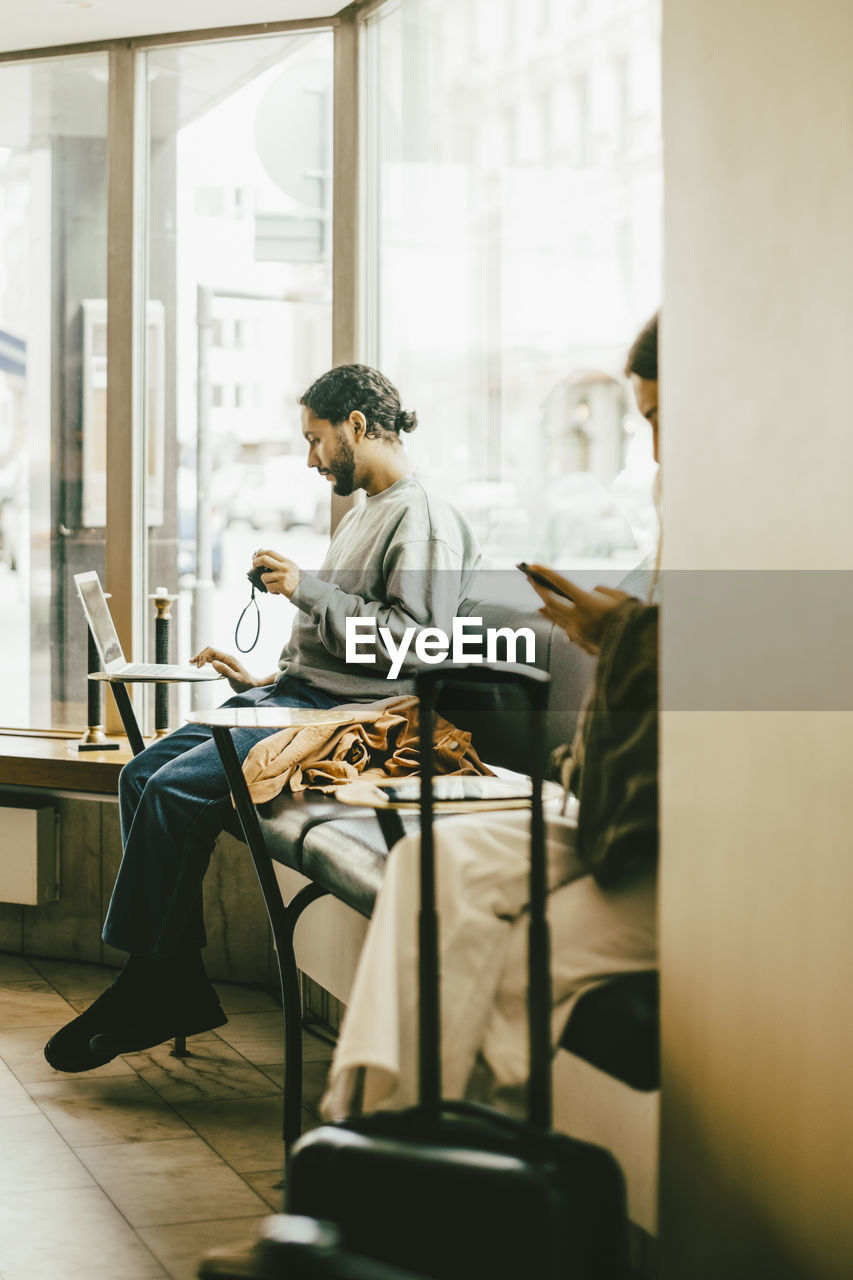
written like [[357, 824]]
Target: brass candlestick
[[95, 739], [163, 604]]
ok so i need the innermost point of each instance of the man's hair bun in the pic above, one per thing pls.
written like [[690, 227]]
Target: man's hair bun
[[406, 421], [350, 387]]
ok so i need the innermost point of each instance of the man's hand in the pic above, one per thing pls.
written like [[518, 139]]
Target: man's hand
[[233, 670], [281, 576], [581, 614]]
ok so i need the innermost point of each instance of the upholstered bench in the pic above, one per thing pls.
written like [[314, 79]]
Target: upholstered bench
[[615, 1026], [335, 850]]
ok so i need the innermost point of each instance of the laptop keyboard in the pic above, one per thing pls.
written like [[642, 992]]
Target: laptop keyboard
[[154, 669]]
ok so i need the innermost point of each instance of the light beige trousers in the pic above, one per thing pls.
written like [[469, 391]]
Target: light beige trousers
[[482, 875]]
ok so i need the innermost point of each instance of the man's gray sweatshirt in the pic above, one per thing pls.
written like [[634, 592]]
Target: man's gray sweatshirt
[[403, 557]]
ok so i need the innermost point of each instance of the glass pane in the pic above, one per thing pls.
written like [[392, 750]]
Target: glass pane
[[512, 188], [53, 265], [239, 324]]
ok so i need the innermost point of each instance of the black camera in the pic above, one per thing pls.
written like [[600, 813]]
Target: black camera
[[256, 577]]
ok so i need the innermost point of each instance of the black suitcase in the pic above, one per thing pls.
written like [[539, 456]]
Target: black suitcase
[[453, 1190]]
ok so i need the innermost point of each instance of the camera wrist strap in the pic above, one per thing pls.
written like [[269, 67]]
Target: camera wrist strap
[[252, 601]]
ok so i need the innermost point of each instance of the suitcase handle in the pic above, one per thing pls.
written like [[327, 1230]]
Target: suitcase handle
[[535, 684]]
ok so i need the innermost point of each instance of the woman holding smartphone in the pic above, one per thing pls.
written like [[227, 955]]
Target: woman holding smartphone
[[602, 868]]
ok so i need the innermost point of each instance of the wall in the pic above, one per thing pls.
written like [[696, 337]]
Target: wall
[[757, 803], [238, 949]]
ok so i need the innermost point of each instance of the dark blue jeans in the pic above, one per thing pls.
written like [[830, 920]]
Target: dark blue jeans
[[174, 800]]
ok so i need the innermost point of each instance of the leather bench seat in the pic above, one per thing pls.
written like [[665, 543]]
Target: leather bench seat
[[615, 1026]]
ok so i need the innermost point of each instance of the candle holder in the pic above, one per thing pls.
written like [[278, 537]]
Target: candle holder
[[163, 604], [95, 738]]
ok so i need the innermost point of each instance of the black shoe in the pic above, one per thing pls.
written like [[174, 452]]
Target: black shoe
[[135, 1036], [139, 1010]]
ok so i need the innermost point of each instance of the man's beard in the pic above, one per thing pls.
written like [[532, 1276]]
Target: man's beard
[[342, 468]]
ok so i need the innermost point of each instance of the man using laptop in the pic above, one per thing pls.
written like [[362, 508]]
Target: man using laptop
[[402, 557], [109, 648]]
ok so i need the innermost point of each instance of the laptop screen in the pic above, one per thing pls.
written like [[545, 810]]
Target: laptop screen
[[98, 614]]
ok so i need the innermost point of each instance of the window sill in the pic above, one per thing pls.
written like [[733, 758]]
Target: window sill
[[55, 763]]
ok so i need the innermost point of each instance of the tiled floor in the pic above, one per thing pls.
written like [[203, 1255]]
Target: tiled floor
[[132, 1171]]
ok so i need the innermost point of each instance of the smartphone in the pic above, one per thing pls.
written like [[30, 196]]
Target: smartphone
[[534, 576]]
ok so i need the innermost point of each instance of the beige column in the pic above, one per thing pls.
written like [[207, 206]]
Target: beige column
[[757, 804]]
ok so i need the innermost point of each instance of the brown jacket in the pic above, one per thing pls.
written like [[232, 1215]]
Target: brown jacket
[[380, 742]]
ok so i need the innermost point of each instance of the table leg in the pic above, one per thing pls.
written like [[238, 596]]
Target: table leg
[[391, 826], [180, 1050], [283, 917], [128, 716]]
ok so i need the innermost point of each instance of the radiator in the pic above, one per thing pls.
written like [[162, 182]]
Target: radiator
[[29, 854]]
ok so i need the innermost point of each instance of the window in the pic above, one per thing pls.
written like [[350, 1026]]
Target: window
[[254, 245], [509, 249], [501, 294], [53, 262], [248, 301]]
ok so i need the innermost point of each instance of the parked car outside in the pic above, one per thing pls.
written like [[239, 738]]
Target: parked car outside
[[278, 494], [582, 520], [498, 517], [9, 515], [187, 529]]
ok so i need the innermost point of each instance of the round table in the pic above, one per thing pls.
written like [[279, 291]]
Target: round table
[[371, 793], [269, 717]]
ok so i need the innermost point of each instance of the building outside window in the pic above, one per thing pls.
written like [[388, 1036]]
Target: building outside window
[[53, 259], [509, 248], [248, 301], [513, 248]]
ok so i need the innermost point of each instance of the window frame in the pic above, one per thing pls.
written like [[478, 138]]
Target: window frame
[[126, 193]]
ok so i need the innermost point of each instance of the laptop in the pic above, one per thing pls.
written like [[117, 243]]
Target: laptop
[[106, 639]]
